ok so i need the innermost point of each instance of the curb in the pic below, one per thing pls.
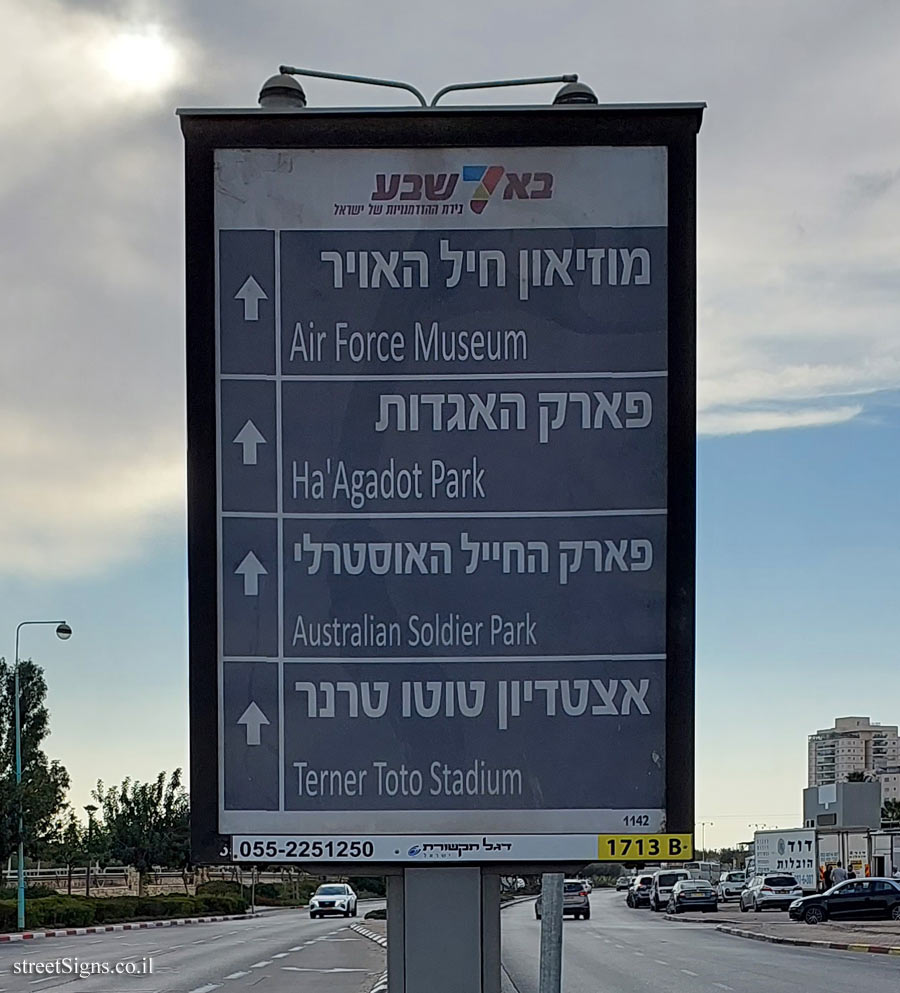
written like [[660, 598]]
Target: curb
[[381, 985], [133, 926], [379, 939], [687, 920], [840, 946]]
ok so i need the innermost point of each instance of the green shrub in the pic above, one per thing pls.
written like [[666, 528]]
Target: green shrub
[[114, 908], [31, 892], [267, 894], [59, 911], [219, 887], [77, 911], [212, 904], [8, 917]]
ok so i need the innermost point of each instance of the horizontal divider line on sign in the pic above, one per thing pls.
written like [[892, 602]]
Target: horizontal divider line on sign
[[443, 376], [417, 515], [451, 658]]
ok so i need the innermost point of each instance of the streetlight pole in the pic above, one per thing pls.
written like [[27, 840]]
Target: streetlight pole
[[63, 632], [703, 827], [91, 810]]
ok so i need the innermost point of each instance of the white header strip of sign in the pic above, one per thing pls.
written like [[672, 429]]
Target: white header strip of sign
[[415, 848], [441, 188]]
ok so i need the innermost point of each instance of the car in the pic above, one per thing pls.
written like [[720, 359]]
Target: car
[[772, 890], [661, 887], [623, 883], [576, 900], [731, 885], [877, 898], [333, 898], [692, 894], [639, 893]]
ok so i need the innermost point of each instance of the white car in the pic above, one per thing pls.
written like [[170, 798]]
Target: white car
[[731, 885], [333, 898], [772, 890], [664, 881]]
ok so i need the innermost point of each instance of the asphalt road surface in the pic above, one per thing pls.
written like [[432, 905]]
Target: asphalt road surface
[[635, 951], [277, 952]]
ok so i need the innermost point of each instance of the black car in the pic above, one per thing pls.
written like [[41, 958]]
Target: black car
[[854, 899], [692, 894]]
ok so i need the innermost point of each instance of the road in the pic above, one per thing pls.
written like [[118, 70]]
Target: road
[[277, 952], [635, 951]]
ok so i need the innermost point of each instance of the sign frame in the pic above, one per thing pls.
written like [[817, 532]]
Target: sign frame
[[673, 126]]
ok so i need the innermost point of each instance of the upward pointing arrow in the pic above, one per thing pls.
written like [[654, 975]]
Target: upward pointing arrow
[[251, 569], [251, 293], [253, 718], [249, 438]]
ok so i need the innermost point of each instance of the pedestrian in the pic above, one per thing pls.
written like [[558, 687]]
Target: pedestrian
[[829, 872], [896, 873], [851, 874], [838, 874]]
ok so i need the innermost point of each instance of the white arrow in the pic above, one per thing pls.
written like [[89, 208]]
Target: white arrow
[[251, 293], [249, 438], [251, 569], [254, 719]]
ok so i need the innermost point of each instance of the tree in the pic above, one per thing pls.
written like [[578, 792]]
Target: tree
[[42, 794], [858, 777], [68, 846], [147, 824], [890, 812]]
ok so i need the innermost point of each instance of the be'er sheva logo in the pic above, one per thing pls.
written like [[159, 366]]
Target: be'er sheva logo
[[413, 187]]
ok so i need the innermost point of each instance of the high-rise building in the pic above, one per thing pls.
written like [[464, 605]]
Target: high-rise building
[[856, 745]]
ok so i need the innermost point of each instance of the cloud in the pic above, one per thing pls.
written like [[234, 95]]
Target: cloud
[[724, 422], [75, 504]]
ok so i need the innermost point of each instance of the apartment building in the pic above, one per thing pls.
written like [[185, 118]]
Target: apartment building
[[856, 744]]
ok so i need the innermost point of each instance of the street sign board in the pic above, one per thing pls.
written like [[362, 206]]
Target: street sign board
[[441, 497]]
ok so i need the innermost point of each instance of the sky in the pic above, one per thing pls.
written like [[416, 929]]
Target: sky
[[798, 609]]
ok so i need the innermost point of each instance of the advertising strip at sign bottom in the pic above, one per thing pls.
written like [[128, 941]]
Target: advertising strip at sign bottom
[[460, 848]]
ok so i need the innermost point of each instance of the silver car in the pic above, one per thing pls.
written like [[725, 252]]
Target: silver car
[[576, 900], [771, 891]]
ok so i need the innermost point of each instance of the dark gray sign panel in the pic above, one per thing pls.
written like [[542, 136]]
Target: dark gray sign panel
[[445, 419]]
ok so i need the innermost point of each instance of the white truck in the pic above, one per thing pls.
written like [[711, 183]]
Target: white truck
[[792, 851]]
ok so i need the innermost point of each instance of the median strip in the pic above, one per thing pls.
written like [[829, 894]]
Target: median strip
[[131, 926], [839, 946]]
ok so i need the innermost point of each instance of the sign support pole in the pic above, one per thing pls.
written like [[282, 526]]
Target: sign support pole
[[551, 932], [444, 930]]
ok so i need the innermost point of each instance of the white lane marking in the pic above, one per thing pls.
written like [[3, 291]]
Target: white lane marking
[[208, 988], [296, 948], [723, 986], [199, 941], [173, 947], [639, 954], [337, 968], [46, 979], [261, 965], [216, 937], [688, 972], [281, 955], [237, 975], [660, 962], [620, 946]]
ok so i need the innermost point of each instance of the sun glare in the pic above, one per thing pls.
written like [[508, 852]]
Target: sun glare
[[142, 60]]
